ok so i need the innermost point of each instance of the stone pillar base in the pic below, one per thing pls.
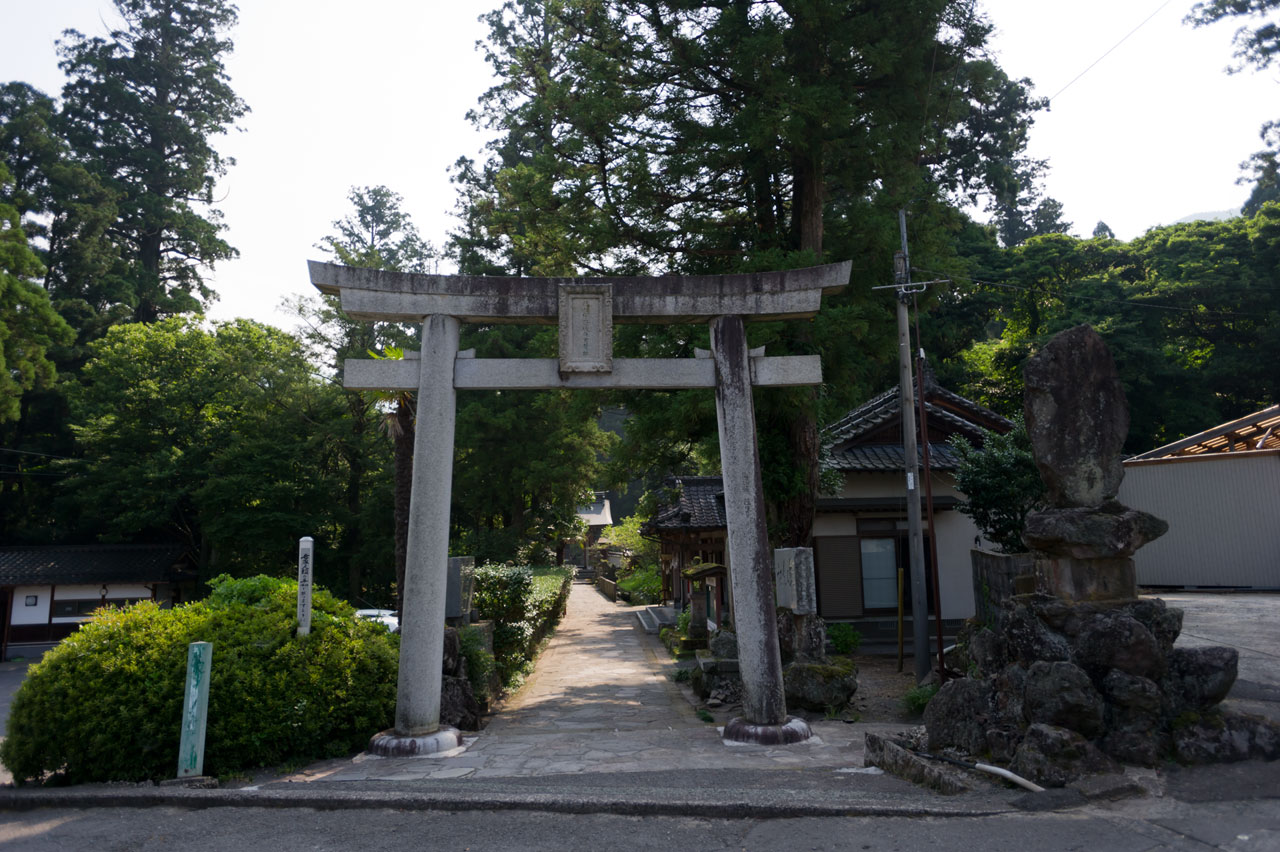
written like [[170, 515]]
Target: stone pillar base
[[389, 743], [1100, 580], [792, 730]]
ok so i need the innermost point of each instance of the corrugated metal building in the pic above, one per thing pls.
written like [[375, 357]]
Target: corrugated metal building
[[1220, 492]]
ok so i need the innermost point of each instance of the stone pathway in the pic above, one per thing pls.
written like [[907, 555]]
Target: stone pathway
[[600, 700]]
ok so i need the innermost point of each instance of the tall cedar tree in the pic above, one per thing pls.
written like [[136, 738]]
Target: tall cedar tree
[[377, 234], [141, 108], [648, 135]]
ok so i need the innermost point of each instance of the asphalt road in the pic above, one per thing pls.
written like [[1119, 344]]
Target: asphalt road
[[1202, 827]]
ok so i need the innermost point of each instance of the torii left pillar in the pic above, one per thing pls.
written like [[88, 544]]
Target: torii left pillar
[[418, 729]]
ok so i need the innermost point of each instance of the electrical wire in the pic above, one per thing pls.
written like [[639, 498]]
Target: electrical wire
[[1102, 300], [30, 453], [1108, 53]]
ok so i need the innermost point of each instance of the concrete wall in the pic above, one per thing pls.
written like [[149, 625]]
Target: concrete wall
[[1223, 511]]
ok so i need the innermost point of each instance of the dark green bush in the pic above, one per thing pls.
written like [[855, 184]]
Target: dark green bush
[[844, 639], [106, 703], [643, 584], [525, 605], [502, 592], [480, 663], [918, 697]]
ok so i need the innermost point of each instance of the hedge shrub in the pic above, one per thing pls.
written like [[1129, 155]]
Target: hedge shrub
[[643, 585], [106, 703], [525, 605]]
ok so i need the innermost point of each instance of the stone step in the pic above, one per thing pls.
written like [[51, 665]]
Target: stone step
[[664, 615], [647, 622]]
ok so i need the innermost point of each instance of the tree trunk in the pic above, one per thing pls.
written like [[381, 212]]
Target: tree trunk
[[807, 192], [403, 433], [797, 511], [355, 495]]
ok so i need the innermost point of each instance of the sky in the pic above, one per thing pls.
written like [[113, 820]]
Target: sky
[[376, 92]]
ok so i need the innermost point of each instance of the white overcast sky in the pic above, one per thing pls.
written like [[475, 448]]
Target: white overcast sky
[[375, 92]]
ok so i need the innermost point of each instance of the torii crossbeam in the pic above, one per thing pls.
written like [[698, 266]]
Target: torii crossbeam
[[585, 310]]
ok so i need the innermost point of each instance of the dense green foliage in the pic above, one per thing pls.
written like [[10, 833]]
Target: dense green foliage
[[141, 107], [28, 324], [626, 535], [481, 663], [643, 585], [524, 603], [843, 638], [648, 136], [1189, 312], [106, 703], [1001, 485]]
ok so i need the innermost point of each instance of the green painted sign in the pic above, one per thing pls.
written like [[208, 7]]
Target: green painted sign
[[195, 710]]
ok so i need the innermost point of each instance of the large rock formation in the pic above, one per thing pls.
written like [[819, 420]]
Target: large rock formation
[[1083, 674], [1112, 681]]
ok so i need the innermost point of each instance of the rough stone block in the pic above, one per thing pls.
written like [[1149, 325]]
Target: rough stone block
[[1077, 418], [793, 580], [1199, 678], [820, 686], [1087, 579], [959, 715], [1104, 532], [1054, 756], [1062, 695], [896, 760], [1117, 640]]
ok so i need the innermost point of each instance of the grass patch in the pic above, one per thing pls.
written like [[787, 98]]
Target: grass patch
[[918, 698]]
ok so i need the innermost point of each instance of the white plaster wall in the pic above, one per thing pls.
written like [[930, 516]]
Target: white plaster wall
[[20, 613], [955, 572], [115, 592]]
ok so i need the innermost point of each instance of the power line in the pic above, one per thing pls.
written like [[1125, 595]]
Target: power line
[[1108, 53], [30, 453], [1082, 297]]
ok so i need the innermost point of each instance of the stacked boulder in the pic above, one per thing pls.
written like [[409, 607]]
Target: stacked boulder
[[1059, 689], [1083, 674]]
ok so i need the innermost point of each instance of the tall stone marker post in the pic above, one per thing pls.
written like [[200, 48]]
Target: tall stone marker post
[[195, 710], [306, 579], [585, 310]]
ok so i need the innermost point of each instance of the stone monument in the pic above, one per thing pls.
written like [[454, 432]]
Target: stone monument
[[1083, 674]]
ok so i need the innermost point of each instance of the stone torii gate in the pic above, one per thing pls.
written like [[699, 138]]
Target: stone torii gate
[[585, 310]]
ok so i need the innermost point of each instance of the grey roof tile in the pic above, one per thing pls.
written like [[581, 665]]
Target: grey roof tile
[[105, 563]]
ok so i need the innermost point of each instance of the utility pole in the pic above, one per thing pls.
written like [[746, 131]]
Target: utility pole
[[915, 539]]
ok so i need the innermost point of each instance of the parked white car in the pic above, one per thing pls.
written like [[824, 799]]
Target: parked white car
[[385, 617]]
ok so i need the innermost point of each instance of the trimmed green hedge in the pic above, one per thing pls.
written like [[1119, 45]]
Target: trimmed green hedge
[[106, 703], [525, 604]]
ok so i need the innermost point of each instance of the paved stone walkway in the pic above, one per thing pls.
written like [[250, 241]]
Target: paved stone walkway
[[600, 700]]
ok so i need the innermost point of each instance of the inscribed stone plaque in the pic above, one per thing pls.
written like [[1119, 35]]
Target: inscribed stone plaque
[[586, 328]]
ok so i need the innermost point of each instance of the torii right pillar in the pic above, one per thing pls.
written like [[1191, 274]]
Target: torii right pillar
[[764, 706]]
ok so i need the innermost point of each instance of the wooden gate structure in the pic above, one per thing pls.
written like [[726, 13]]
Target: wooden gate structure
[[585, 310]]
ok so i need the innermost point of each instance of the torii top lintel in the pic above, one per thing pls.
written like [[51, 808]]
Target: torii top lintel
[[382, 295]]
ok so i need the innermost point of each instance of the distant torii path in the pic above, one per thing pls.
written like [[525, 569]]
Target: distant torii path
[[585, 310]]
